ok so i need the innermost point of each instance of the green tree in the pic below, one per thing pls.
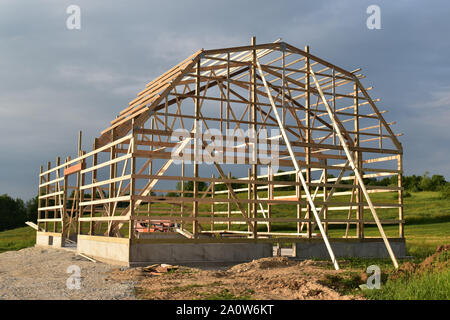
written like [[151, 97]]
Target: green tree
[[189, 186], [12, 212], [32, 209]]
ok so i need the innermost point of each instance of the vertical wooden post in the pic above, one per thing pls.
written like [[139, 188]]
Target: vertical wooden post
[[255, 142], [283, 83], [39, 216], [47, 191], [196, 150], [249, 196], [299, 198], [222, 98], [131, 226], [269, 197], [150, 171], [93, 189], [308, 140], [166, 112], [57, 197], [325, 195], [228, 92], [112, 172], [401, 231], [212, 203], [80, 135], [333, 80], [182, 192], [82, 183], [358, 162], [77, 204], [229, 205], [64, 210]]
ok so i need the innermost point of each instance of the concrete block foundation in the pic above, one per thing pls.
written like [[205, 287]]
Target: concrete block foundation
[[345, 248]]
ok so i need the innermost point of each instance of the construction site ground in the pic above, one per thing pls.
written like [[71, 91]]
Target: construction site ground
[[38, 273]]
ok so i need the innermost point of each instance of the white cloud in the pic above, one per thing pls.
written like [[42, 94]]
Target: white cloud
[[440, 98], [115, 83], [170, 46]]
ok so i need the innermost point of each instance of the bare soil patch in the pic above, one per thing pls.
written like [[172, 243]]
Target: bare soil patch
[[277, 278], [39, 273]]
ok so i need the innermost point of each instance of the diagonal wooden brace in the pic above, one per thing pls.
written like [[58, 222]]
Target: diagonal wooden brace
[[297, 168]]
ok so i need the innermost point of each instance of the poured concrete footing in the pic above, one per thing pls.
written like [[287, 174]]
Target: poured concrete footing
[[346, 248], [135, 253]]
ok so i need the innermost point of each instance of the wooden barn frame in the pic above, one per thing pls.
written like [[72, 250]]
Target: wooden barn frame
[[331, 139]]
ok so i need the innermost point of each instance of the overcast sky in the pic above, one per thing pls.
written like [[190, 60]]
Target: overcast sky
[[55, 81]]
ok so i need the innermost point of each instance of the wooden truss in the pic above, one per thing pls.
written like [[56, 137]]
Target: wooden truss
[[331, 139]]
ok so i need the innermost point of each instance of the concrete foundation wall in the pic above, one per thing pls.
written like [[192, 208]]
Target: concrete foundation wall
[[362, 248], [178, 253], [122, 252], [49, 239], [143, 252], [112, 250]]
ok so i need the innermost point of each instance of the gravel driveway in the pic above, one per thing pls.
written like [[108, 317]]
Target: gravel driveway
[[41, 273]]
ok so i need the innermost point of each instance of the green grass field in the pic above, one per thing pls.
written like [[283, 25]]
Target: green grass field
[[427, 226], [17, 239], [430, 286]]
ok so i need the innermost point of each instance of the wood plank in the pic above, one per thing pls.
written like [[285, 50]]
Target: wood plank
[[74, 169]]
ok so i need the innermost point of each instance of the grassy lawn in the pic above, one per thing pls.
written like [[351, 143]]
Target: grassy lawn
[[17, 239], [430, 286], [427, 223]]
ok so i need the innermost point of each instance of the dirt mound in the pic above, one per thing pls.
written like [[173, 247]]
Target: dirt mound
[[439, 261], [263, 263], [275, 278]]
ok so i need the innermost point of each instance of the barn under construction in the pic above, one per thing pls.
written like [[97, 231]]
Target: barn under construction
[[229, 152]]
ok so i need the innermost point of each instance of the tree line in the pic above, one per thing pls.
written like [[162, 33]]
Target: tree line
[[14, 212], [412, 183]]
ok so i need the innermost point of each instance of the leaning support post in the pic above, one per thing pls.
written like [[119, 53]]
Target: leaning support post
[[354, 168], [298, 170]]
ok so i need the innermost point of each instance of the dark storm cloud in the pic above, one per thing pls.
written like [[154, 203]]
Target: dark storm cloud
[[54, 82]]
